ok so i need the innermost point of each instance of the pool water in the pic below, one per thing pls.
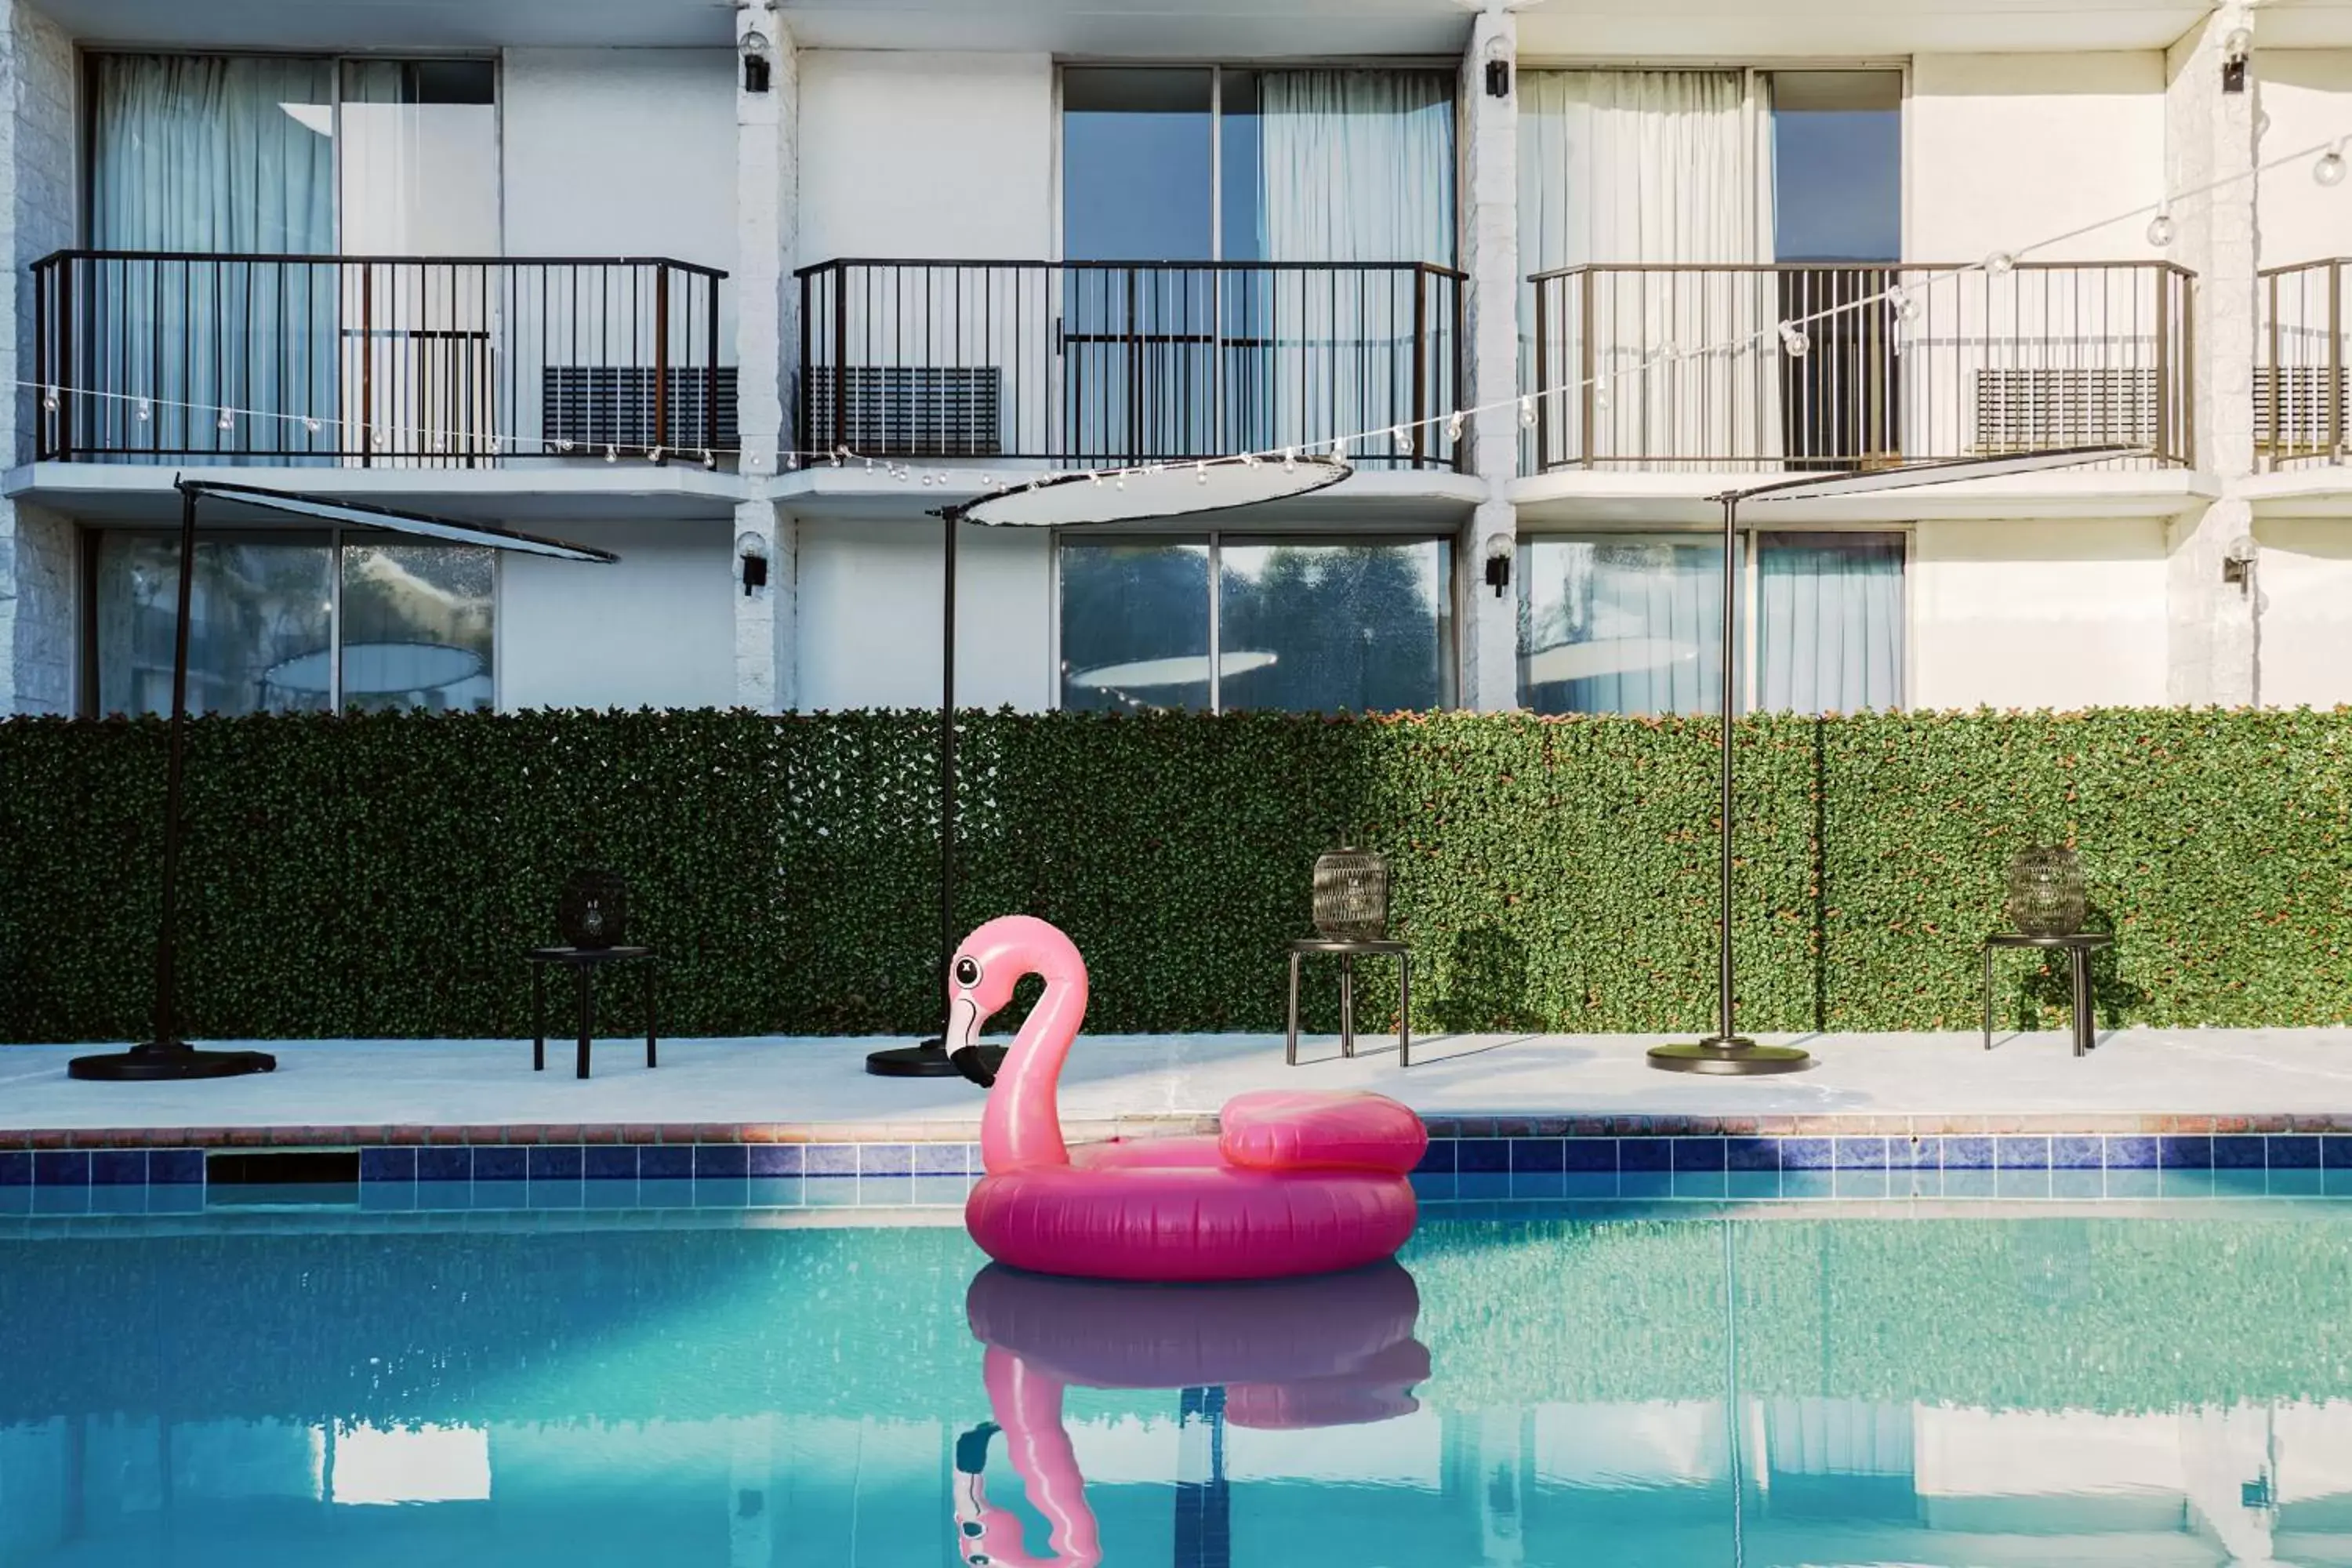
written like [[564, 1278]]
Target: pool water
[[691, 1390]]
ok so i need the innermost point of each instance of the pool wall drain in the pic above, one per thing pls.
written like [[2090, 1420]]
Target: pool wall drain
[[270, 1178]]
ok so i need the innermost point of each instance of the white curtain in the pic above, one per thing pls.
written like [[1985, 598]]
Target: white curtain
[[1660, 167], [221, 156], [1829, 627], [1357, 166]]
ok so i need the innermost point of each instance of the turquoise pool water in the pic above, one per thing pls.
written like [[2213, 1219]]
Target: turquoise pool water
[[700, 1389]]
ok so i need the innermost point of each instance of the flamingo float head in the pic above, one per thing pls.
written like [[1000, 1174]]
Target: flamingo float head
[[986, 967]]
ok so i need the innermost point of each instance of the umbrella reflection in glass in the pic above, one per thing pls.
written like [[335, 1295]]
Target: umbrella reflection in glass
[[423, 674], [1122, 680]]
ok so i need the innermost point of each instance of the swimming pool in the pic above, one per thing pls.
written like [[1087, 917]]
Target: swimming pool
[[2166, 1386]]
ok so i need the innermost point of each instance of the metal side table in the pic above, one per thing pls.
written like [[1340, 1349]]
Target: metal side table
[[2080, 947], [583, 963], [1349, 952]]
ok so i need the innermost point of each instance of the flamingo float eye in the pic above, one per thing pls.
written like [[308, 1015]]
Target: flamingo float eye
[[966, 972]]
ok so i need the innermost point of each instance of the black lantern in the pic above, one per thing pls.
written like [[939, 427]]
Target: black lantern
[[592, 910], [1351, 895], [2045, 892]]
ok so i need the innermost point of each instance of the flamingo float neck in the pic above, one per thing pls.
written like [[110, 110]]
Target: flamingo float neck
[[1023, 1123]]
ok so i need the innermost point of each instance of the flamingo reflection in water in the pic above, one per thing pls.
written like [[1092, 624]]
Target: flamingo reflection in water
[[1334, 1350]]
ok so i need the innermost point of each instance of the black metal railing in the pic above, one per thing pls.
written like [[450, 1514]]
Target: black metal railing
[[395, 360], [1686, 367], [2301, 365], [1116, 361]]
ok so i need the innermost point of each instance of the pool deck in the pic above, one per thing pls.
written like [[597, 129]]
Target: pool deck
[[346, 1093]]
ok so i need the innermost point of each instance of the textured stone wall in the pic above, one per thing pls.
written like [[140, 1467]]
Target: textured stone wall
[[1489, 232], [767, 216]]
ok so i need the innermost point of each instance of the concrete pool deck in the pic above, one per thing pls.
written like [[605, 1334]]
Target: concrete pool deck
[[343, 1093]]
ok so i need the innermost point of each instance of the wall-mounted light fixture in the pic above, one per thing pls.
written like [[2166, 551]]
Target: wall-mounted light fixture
[[2238, 566], [1500, 548], [1498, 67], [752, 550], [755, 61], [2237, 47]]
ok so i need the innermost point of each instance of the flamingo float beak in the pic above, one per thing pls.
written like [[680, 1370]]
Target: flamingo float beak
[[964, 1042]]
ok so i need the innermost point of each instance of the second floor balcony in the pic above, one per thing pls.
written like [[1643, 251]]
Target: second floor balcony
[[417, 362], [1116, 363], [2301, 365], [1674, 368]]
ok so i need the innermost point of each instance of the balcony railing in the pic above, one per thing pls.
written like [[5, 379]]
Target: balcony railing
[[382, 360], [1090, 363], [1957, 364], [2300, 373]]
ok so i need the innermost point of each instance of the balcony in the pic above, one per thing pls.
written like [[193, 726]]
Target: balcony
[[1956, 364], [1093, 364], [395, 361], [2300, 368]]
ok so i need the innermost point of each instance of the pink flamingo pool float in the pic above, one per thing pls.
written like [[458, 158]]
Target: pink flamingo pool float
[[1294, 1356], [1292, 1182]]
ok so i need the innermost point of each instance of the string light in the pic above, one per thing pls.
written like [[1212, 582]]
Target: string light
[[612, 454], [655, 457], [146, 410], [227, 421], [1794, 342], [2000, 264], [2160, 228], [49, 400], [1453, 425], [2329, 170], [1527, 413]]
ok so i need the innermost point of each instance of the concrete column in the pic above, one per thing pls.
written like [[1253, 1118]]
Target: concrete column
[[2209, 136], [1489, 626], [37, 554], [766, 349]]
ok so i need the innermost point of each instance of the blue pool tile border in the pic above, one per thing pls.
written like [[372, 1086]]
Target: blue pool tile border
[[1468, 1163]]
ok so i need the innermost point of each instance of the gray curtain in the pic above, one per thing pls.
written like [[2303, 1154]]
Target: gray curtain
[[220, 157]]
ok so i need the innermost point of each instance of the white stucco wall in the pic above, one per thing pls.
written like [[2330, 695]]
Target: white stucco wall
[[621, 153], [870, 616], [2307, 93], [2304, 576], [657, 629], [2048, 613], [2001, 150], [912, 155]]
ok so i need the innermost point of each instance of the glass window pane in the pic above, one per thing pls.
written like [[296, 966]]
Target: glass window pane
[[1620, 625], [1830, 622], [1837, 165], [1322, 627], [1136, 163], [258, 633], [212, 153], [416, 626], [1135, 626]]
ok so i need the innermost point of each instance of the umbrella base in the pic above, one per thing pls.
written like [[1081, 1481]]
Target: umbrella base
[[1729, 1056], [929, 1059], [173, 1060]]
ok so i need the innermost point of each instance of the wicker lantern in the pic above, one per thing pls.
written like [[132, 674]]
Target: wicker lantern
[[1351, 895], [592, 910], [2045, 892]]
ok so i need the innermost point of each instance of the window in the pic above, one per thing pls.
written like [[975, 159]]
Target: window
[[291, 622], [1629, 625], [1304, 626]]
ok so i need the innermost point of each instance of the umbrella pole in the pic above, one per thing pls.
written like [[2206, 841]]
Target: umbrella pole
[[1725, 1051], [167, 1055]]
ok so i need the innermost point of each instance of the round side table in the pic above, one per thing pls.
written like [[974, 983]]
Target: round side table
[[2080, 947]]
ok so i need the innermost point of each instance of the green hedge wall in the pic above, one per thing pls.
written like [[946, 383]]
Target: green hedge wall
[[373, 876]]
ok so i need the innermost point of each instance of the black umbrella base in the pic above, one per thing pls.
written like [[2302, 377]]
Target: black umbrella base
[[1734, 1058], [929, 1059], [154, 1064]]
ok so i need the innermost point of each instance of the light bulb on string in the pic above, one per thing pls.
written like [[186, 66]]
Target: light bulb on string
[[1249, 459], [709, 458], [1339, 449], [2329, 170], [1120, 483], [1398, 440], [1527, 413], [655, 457], [1200, 473], [2000, 264], [1453, 425], [1601, 396], [146, 410], [612, 454], [51, 399], [1794, 342], [311, 426], [839, 454], [2161, 228], [563, 443], [227, 421], [1290, 460]]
